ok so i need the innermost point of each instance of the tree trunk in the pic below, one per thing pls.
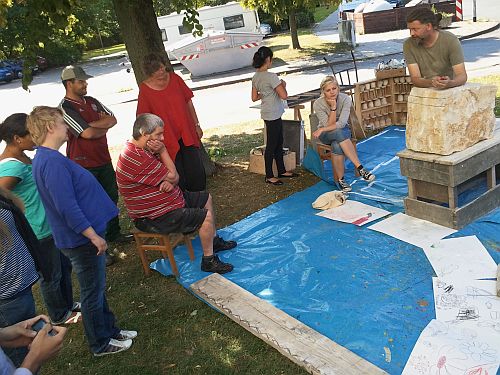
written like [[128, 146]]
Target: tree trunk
[[142, 35], [140, 31], [293, 30]]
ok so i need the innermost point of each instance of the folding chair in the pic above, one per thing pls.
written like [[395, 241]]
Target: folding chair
[[345, 77]]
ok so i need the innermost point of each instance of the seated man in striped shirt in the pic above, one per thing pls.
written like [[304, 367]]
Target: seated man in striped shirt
[[147, 180]]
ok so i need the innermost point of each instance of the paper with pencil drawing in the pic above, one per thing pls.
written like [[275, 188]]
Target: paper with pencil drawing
[[461, 258], [445, 348], [354, 213], [409, 229], [464, 300]]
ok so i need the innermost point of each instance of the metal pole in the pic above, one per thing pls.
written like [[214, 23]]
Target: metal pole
[[474, 19]]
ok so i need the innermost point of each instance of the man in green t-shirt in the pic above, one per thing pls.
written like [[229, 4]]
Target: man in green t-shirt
[[434, 57]]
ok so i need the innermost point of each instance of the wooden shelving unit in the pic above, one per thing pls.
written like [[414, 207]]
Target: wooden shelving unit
[[380, 103]]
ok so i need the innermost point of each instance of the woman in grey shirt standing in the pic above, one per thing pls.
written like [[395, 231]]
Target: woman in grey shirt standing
[[333, 109], [268, 88]]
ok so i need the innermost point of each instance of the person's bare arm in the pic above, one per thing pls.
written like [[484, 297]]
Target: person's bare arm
[[105, 121], [281, 90], [445, 82], [416, 77], [159, 148], [192, 112], [9, 182], [44, 347], [93, 133], [97, 241], [255, 95]]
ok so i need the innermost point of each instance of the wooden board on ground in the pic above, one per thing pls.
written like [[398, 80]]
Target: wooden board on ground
[[301, 344]]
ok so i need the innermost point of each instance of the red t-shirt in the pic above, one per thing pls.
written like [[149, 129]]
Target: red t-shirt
[[170, 104], [139, 174], [89, 153]]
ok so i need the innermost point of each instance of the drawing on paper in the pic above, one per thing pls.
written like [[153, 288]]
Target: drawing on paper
[[354, 212]]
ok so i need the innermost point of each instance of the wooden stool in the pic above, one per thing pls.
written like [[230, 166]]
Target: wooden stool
[[325, 153], [161, 242]]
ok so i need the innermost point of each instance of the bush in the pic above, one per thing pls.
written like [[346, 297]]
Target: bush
[[59, 53], [305, 18]]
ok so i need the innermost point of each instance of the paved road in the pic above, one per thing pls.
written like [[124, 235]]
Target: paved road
[[485, 9], [218, 106]]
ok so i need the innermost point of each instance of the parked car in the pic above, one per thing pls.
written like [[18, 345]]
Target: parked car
[[42, 63], [265, 29], [15, 65], [6, 74]]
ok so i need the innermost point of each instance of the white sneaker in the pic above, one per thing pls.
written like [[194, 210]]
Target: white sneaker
[[367, 175], [343, 185], [114, 347], [125, 335]]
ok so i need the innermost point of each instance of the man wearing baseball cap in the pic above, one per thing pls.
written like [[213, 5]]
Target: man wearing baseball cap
[[89, 121]]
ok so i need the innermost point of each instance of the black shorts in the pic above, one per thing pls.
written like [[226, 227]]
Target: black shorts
[[181, 220]]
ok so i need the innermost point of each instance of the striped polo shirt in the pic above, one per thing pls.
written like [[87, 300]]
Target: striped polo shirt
[[17, 268], [139, 174]]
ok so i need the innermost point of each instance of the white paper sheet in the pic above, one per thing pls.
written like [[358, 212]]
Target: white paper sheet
[[463, 258], [462, 300], [409, 229], [445, 348], [354, 213]]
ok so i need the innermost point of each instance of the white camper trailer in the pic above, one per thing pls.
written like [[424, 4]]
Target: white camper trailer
[[231, 16]]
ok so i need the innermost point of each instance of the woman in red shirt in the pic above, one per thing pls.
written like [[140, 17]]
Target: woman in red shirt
[[165, 94]]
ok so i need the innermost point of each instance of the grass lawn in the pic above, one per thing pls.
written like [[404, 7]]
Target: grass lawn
[[310, 43], [323, 11], [102, 52], [492, 80], [179, 334]]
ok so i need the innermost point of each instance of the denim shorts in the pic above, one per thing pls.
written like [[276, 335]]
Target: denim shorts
[[335, 137]]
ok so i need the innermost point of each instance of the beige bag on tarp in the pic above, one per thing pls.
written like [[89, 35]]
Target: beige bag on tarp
[[329, 199]]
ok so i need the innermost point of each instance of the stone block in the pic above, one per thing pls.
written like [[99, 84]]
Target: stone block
[[446, 121]]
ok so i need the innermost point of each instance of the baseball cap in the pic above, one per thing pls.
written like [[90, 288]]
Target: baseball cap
[[74, 72]]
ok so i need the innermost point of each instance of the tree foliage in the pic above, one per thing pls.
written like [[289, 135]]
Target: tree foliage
[[282, 9]]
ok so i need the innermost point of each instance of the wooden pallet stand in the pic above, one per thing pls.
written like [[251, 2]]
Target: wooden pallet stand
[[435, 181]]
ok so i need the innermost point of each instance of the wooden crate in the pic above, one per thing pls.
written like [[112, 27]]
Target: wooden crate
[[435, 181], [390, 73], [257, 163]]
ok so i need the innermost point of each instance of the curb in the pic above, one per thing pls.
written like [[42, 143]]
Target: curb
[[493, 28], [321, 64]]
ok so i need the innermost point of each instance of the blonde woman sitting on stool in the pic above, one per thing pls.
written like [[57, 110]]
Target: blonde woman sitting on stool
[[332, 109]]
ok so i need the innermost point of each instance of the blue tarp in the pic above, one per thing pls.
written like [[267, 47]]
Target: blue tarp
[[364, 290]]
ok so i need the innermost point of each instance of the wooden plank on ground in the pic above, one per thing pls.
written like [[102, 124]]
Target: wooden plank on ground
[[301, 344]]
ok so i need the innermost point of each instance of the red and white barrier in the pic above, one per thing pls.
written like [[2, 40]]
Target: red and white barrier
[[458, 9], [190, 57], [249, 45]]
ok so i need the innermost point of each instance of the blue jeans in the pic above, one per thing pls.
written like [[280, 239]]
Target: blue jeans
[[14, 310], [335, 137], [90, 270], [57, 292]]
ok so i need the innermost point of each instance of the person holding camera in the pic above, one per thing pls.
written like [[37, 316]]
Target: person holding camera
[[43, 339]]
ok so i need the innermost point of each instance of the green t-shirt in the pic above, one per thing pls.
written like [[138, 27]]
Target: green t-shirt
[[26, 190], [437, 60]]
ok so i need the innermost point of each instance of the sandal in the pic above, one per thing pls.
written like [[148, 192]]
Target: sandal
[[291, 175], [277, 182]]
